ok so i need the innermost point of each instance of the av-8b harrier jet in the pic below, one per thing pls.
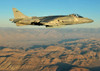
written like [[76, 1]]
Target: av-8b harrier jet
[[48, 21]]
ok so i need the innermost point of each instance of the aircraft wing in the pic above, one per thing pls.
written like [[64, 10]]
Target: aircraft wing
[[50, 21]]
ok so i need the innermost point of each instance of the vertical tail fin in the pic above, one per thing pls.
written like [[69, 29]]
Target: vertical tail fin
[[18, 14]]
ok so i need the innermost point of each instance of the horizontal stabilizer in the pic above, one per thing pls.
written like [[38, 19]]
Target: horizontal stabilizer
[[18, 24]]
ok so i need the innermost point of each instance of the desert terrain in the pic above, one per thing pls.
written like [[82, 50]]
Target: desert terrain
[[49, 49]]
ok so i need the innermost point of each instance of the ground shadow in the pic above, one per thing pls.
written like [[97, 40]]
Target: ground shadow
[[64, 66], [2, 47]]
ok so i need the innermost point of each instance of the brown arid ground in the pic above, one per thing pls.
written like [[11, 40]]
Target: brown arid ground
[[68, 56], [18, 51]]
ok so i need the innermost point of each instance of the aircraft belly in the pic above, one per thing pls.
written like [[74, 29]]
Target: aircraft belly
[[19, 24]]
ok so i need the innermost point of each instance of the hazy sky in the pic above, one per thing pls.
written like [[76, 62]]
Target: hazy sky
[[86, 8]]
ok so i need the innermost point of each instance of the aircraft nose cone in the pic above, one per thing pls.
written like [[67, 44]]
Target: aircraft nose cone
[[89, 20]]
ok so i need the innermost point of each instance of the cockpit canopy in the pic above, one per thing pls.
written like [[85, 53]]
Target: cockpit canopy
[[76, 15]]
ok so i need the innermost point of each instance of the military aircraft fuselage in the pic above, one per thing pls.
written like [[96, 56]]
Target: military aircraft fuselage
[[48, 21]]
